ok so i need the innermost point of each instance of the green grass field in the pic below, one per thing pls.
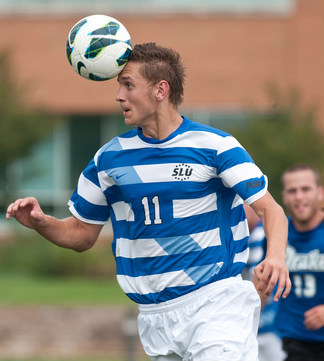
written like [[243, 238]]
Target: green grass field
[[17, 289]]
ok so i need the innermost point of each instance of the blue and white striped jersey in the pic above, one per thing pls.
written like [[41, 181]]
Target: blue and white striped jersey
[[175, 206], [305, 261], [258, 249]]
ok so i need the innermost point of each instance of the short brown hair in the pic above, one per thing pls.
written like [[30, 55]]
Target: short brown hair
[[302, 166], [160, 63]]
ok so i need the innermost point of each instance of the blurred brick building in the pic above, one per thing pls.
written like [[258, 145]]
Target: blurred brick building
[[231, 55]]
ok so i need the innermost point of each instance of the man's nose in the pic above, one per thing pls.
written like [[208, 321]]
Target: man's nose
[[299, 194], [119, 95]]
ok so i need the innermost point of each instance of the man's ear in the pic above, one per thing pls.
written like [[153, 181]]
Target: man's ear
[[162, 90]]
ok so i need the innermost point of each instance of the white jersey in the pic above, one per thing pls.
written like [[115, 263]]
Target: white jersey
[[175, 205]]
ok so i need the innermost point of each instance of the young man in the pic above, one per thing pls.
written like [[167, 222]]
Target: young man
[[300, 316], [173, 190]]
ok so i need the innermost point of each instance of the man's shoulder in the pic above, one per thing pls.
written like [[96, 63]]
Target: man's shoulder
[[114, 144], [195, 126]]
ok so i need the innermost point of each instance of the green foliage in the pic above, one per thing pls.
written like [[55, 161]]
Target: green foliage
[[284, 136], [29, 253], [20, 125], [33, 271]]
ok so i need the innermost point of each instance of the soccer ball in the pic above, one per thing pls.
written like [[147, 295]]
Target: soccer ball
[[98, 47]]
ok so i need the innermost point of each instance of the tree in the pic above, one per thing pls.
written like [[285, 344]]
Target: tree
[[285, 135], [21, 126]]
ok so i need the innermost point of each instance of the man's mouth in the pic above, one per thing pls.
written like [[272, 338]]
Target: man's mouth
[[300, 208], [126, 111]]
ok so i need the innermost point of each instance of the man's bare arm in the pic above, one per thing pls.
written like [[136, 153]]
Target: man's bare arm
[[273, 268], [68, 232]]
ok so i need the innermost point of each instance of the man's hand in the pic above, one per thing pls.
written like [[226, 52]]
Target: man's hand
[[314, 318], [27, 212], [268, 273]]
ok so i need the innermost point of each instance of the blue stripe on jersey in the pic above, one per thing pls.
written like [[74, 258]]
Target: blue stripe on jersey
[[170, 192], [185, 226], [178, 244], [250, 186], [124, 175], [173, 292], [231, 158], [193, 189], [202, 274], [135, 267], [169, 155], [91, 173], [83, 207], [182, 225], [114, 145]]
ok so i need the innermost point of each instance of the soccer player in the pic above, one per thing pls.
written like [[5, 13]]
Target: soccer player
[[173, 190], [300, 317]]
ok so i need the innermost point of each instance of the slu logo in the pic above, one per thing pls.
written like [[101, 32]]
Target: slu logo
[[182, 172], [254, 184]]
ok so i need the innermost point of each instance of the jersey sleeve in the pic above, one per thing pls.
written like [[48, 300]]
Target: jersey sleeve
[[88, 202], [238, 171]]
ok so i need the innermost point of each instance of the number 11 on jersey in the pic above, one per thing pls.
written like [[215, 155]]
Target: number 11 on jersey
[[146, 206]]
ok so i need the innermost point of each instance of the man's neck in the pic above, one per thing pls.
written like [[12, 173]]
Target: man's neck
[[164, 125]]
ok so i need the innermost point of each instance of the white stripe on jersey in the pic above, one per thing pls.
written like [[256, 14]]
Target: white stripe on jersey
[[90, 192], [153, 283], [240, 231], [256, 255], [141, 247], [152, 173], [257, 235], [149, 247], [105, 181], [190, 207], [242, 256], [192, 139], [228, 143], [237, 201], [123, 211], [239, 173], [207, 238]]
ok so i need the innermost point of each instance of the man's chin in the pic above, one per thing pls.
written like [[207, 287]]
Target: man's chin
[[130, 122], [302, 218]]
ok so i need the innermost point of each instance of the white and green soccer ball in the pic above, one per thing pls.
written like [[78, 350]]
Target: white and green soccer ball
[[98, 47]]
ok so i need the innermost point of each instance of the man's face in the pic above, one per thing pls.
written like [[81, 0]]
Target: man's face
[[301, 195], [136, 96]]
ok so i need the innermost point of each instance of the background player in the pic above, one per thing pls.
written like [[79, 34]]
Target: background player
[[300, 317]]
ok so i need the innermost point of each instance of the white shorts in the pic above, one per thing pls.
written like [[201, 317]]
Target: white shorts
[[217, 322]]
